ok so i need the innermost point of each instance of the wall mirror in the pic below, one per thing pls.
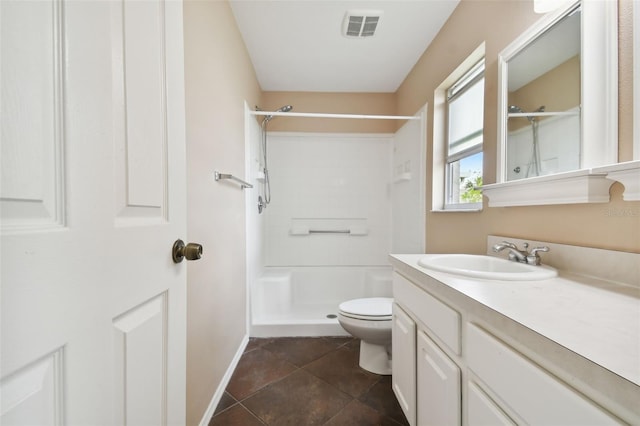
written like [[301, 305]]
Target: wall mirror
[[543, 102], [557, 107]]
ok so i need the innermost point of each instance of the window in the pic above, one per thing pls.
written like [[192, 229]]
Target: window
[[464, 116]]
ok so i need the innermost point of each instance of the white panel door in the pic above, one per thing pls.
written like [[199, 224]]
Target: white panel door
[[92, 198]]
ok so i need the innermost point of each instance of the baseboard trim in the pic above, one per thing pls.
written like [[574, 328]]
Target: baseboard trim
[[217, 396]]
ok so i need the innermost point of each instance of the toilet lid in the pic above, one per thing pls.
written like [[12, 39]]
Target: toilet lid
[[368, 307]]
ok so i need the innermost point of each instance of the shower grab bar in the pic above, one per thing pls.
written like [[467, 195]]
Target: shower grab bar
[[219, 176], [329, 231]]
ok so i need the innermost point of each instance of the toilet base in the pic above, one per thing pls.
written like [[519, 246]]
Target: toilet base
[[375, 358]]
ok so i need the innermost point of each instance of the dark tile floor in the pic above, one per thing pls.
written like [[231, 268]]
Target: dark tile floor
[[301, 381]]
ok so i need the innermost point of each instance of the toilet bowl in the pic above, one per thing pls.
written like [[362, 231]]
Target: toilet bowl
[[369, 320]]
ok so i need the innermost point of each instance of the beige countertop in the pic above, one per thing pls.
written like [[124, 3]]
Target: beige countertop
[[596, 319]]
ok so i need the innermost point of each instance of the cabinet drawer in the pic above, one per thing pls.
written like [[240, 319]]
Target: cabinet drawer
[[443, 321], [526, 389]]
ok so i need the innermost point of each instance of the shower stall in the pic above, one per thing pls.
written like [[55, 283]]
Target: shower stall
[[338, 205]]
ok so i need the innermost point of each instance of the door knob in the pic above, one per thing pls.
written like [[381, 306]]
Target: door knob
[[191, 251]]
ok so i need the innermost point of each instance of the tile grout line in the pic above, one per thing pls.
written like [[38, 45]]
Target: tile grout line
[[298, 368], [282, 355], [253, 414]]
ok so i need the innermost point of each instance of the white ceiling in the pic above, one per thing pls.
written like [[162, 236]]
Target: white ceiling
[[297, 45]]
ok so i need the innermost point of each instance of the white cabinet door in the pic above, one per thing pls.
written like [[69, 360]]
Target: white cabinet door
[[91, 200], [439, 387], [404, 362], [482, 411]]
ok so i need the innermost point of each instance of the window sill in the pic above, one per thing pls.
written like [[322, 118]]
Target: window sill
[[457, 211]]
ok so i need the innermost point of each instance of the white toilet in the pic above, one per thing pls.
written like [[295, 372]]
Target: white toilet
[[370, 321]]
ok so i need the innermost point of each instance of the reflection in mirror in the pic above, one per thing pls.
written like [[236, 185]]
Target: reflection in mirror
[[543, 103]]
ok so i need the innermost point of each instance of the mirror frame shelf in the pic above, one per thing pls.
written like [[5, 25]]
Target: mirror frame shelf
[[598, 109], [579, 186], [628, 174]]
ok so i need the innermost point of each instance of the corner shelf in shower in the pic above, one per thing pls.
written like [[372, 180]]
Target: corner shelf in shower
[[402, 177]]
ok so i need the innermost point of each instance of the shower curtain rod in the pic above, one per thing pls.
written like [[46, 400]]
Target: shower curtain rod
[[326, 115], [542, 114]]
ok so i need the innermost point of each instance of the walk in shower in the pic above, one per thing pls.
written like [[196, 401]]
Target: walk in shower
[[330, 225]]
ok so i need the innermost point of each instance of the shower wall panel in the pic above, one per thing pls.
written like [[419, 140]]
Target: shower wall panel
[[334, 183], [408, 189]]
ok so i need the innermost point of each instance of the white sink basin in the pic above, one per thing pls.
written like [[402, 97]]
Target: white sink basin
[[486, 267]]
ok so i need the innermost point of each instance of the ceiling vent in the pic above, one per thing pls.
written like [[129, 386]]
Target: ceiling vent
[[361, 23]]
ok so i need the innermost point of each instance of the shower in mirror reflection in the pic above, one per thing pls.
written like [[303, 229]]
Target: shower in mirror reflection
[[535, 151], [265, 198]]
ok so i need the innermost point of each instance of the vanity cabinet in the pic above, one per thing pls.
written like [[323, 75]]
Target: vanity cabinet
[[450, 369], [425, 380]]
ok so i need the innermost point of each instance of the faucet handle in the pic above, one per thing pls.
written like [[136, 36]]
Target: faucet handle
[[533, 257], [510, 244], [537, 249]]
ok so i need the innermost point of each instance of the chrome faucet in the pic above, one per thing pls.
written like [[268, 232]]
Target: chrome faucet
[[533, 258], [523, 256], [514, 254]]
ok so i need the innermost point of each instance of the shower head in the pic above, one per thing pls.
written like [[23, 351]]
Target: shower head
[[517, 109], [285, 108]]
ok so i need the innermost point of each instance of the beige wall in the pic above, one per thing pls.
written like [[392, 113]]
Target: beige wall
[[219, 78], [614, 225]]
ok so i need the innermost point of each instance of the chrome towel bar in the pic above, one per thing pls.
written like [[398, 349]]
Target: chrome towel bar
[[220, 176]]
